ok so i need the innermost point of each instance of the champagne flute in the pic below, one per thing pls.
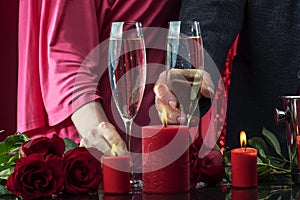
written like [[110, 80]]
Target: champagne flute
[[127, 73], [185, 64]]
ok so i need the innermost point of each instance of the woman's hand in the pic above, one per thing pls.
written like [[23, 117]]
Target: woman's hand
[[95, 130], [102, 138]]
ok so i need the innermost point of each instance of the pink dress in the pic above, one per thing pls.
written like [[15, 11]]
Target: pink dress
[[55, 37]]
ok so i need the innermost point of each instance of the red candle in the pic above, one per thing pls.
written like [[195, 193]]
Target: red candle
[[165, 159], [244, 165], [116, 174]]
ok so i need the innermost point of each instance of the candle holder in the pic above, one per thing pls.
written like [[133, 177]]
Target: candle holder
[[291, 117]]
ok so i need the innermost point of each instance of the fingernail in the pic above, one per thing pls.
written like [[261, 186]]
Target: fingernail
[[172, 103], [181, 120]]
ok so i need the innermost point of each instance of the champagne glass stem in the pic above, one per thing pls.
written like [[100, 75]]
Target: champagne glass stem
[[188, 120], [128, 125]]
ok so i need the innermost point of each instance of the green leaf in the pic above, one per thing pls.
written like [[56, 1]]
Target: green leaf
[[277, 162], [15, 141], [272, 140], [4, 174], [13, 159], [3, 153], [4, 167], [260, 145], [259, 161], [70, 144], [3, 190]]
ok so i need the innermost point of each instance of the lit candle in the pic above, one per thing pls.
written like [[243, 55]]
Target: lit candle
[[116, 173], [243, 165], [165, 158]]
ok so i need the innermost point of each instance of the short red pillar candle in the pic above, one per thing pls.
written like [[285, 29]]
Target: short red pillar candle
[[116, 174], [244, 166], [165, 159]]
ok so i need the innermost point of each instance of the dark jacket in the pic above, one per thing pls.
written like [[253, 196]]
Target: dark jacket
[[267, 64]]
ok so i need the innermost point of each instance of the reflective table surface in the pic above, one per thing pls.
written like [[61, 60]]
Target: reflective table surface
[[281, 189]]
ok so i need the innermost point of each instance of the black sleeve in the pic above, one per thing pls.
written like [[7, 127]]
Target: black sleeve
[[220, 21]]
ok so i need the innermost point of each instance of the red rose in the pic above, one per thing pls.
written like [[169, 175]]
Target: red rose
[[194, 165], [44, 146], [83, 171], [212, 168], [34, 177]]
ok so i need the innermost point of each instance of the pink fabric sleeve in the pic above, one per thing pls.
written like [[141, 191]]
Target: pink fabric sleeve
[[55, 37]]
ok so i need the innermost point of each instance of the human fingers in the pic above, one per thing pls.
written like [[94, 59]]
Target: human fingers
[[110, 134], [174, 115], [92, 140], [207, 87], [194, 121], [163, 92]]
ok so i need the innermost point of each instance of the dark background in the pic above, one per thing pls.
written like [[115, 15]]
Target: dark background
[[8, 66]]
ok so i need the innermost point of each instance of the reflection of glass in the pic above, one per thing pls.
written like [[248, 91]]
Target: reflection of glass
[[127, 73], [291, 116], [185, 64]]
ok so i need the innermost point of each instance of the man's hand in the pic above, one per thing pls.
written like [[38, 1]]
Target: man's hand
[[165, 98]]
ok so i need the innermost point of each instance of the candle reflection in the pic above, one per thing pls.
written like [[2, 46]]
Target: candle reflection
[[118, 197], [245, 194], [177, 196]]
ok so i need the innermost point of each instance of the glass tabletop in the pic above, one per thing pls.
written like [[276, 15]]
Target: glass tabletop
[[282, 188]]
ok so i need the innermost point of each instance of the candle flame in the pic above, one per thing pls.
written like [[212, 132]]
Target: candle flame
[[243, 139], [114, 150], [163, 117]]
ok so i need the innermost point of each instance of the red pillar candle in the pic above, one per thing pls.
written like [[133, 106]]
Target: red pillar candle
[[165, 159], [243, 165], [116, 174]]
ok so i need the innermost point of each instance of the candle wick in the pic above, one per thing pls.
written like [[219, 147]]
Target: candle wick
[[165, 124], [245, 148]]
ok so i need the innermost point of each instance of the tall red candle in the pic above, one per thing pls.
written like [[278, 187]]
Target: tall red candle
[[116, 174], [244, 166], [165, 159]]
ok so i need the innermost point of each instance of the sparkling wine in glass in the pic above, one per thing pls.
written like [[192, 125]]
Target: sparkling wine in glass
[[127, 73], [185, 64]]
